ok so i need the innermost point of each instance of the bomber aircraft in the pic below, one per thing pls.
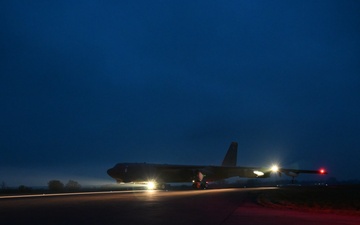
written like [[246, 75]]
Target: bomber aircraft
[[158, 175]]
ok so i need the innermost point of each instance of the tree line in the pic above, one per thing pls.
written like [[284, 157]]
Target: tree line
[[58, 186], [53, 186]]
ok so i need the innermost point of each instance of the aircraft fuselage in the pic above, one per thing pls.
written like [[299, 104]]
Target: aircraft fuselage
[[167, 173], [143, 172]]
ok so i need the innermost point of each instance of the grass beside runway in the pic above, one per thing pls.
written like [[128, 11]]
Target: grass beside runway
[[339, 200]]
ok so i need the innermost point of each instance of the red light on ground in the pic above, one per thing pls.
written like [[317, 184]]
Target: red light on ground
[[322, 171]]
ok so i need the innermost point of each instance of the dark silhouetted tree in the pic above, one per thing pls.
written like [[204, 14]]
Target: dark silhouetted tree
[[55, 185], [3, 185], [332, 180], [24, 189], [72, 186]]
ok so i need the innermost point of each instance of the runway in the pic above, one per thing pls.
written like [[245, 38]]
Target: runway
[[217, 206]]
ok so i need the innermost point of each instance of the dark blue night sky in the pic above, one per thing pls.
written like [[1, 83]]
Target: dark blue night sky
[[87, 84]]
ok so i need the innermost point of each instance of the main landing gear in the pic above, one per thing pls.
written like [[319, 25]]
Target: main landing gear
[[200, 185]]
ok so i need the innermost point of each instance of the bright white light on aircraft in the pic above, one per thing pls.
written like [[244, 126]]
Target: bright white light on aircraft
[[259, 173], [274, 168], [151, 185]]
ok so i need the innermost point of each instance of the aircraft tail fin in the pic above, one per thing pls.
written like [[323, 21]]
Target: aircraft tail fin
[[231, 155]]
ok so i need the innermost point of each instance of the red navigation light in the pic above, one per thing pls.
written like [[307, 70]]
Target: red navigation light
[[322, 171]]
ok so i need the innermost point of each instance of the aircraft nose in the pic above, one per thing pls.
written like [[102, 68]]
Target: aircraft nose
[[114, 173], [111, 172]]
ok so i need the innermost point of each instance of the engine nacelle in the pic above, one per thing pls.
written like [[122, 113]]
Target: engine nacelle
[[254, 174]]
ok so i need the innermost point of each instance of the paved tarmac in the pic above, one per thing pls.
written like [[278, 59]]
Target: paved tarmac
[[217, 206]]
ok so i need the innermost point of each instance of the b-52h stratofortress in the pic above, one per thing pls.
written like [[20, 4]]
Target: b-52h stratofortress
[[158, 175]]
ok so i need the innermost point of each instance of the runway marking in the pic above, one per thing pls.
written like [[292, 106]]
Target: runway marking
[[69, 194], [175, 193]]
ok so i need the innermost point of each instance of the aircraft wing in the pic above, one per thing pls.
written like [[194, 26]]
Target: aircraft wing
[[262, 172], [295, 172]]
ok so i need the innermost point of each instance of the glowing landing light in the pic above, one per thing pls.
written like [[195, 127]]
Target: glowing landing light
[[151, 185], [322, 171], [259, 173], [274, 168]]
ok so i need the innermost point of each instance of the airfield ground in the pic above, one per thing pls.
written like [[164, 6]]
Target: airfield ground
[[226, 206], [332, 199]]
